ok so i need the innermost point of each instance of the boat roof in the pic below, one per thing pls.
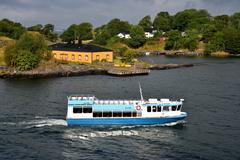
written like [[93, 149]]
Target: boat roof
[[93, 99], [82, 96]]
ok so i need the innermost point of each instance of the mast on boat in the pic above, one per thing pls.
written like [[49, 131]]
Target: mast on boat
[[140, 90]]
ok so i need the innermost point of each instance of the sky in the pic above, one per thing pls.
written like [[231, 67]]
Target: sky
[[63, 13]]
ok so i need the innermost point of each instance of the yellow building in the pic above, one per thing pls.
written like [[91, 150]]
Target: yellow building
[[84, 53]]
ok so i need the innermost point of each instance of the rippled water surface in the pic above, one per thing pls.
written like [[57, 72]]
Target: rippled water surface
[[33, 126]]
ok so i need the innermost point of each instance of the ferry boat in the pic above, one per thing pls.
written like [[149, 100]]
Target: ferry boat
[[88, 110]]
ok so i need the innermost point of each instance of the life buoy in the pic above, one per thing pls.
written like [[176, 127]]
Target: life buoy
[[138, 107]]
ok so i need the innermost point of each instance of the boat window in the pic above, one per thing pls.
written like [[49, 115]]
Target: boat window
[[179, 107], [107, 114], [165, 108], [97, 114], [148, 108], [159, 108], [174, 108], [117, 114], [134, 114], [77, 110], [87, 109], [127, 114], [154, 108]]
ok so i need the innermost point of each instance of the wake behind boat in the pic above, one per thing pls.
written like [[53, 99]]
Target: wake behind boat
[[88, 110]]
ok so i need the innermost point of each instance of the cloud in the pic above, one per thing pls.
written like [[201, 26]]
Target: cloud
[[62, 13]]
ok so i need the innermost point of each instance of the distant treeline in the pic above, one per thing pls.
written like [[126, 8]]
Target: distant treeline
[[184, 30]]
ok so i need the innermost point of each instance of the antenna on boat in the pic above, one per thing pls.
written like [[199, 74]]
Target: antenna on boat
[[140, 90]]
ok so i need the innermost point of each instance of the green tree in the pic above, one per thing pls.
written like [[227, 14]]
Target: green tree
[[128, 56], [104, 33], [137, 37], [116, 26], [48, 28], [221, 22], [145, 22], [11, 29], [69, 35], [102, 37], [227, 40], [48, 31], [84, 31], [190, 19], [79, 32], [235, 20], [28, 51], [208, 32], [163, 21], [232, 40], [216, 43], [36, 28], [174, 40], [190, 41]]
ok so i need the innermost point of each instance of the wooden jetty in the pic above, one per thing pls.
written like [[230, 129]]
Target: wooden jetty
[[129, 72]]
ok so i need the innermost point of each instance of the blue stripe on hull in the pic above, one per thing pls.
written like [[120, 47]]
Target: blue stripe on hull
[[123, 121]]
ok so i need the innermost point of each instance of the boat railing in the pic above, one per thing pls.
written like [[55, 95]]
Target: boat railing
[[119, 102], [82, 97]]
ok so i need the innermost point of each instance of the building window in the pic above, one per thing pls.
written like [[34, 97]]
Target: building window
[[148, 108], [66, 57], [79, 57], [97, 57], [61, 56], [107, 56], [77, 110], [73, 57], [86, 57]]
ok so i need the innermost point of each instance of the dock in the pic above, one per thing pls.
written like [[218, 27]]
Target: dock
[[129, 72]]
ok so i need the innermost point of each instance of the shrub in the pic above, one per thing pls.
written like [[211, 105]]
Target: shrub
[[128, 56], [26, 60], [28, 51]]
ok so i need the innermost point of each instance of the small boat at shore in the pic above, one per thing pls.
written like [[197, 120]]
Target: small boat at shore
[[88, 110]]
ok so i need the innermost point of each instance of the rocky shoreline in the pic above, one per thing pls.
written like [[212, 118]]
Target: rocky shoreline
[[64, 70]]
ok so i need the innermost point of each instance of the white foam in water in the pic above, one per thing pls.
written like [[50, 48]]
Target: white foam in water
[[51, 122], [77, 134], [41, 122], [174, 123], [139, 130]]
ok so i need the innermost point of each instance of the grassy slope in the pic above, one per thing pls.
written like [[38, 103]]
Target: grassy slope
[[152, 45], [4, 41], [149, 46]]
